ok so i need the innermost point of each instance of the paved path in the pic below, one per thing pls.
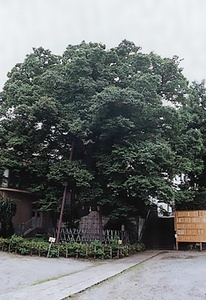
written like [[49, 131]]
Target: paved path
[[178, 275], [82, 275]]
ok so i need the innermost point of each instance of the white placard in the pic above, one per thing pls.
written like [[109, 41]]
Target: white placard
[[52, 240]]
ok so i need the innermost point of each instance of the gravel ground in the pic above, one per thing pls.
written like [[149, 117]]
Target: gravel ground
[[17, 271], [171, 275]]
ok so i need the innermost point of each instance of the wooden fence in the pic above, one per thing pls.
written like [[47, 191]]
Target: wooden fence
[[85, 236], [190, 226]]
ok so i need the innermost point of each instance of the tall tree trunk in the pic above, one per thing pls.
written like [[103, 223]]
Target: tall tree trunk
[[64, 196]]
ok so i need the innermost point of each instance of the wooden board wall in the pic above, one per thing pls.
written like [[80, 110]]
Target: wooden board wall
[[190, 226]]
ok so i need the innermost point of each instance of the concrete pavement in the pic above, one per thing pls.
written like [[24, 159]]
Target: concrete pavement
[[68, 285]]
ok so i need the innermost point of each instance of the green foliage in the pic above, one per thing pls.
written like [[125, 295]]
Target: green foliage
[[7, 211], [193, 183], [95, 249], [138, 247], [96, 118]]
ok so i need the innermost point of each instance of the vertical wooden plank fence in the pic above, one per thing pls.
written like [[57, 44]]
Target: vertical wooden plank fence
[[190, 226]]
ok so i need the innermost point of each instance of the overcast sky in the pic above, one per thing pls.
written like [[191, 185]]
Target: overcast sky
[[167, 27]]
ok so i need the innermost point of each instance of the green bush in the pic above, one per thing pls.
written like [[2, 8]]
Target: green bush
[[138, 247], [95, 249], [7, 211]]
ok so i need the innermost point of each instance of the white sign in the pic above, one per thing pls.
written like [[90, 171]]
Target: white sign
[[52, 240]]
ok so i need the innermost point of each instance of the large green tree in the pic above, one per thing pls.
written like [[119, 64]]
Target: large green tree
[[193, 182], [109, 122]]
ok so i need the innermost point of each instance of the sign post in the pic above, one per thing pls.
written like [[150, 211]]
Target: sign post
[[51, 240]]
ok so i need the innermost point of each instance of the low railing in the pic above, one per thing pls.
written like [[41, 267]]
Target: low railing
[[86, 236], [32, 223]]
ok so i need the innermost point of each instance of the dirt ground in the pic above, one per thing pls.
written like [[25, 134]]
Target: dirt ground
[[169, 275], [179, 275], [17, 271]]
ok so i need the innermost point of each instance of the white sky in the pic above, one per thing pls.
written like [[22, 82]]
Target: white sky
[[167, 27]]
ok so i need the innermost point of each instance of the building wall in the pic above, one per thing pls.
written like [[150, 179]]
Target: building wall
[[23, 202]]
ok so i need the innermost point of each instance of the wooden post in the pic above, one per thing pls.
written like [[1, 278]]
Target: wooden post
[[177, 248], [100, 226], [61, 213], [64, 195]]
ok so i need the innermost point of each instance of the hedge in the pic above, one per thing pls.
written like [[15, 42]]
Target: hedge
[[96, 249]]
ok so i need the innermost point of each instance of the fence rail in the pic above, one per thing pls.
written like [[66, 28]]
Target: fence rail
[[85, 236], [32, 223]]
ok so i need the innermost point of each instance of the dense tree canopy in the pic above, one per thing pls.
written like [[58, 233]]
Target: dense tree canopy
[[115, 124], [193, 184]]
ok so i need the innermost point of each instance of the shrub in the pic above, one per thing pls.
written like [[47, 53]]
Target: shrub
[[138, 247], [95, 249], [7, 211]]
